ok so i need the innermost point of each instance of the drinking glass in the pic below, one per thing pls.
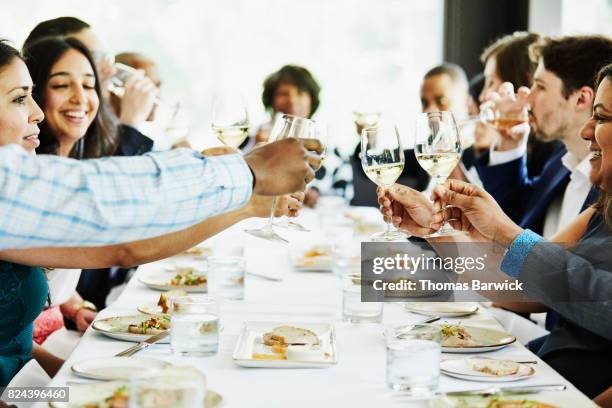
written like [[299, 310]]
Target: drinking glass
[[194, 326], [226, 277], [438, 151], [413, 358], [288, 126], [382, 159], [166, 389], [504, 115], [353, 309], [230, 121], [121, 74]]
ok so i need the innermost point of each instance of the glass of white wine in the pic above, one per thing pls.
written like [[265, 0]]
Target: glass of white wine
[[288, 126], [382, 159], [438, 151], [230, 120]]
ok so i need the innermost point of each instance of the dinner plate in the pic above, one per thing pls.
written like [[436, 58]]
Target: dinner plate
[[251, 340], [442, 309], [317, 258], [95, 394], [161, 281], [462, 368], [115, 368], [486, 340], [151, 309], [556, 399], [117, 328]]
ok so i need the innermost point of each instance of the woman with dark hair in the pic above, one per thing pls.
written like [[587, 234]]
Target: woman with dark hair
[[507, 60], [67, 88], [575, 282]]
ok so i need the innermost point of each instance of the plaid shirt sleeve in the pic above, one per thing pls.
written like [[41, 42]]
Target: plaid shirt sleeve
[[54, 201]]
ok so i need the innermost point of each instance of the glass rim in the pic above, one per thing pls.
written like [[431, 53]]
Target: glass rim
[[226, 258], [195, 299], [295, 117]]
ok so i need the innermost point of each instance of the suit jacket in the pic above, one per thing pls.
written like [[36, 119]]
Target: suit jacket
[[525, 200]]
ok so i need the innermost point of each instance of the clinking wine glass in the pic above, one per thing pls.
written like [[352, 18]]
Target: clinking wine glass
[[230, 120], [288, 126], [382, 159], [121, 74], [438, 151]]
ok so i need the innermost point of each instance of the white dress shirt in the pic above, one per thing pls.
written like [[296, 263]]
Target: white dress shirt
[[564, 208]]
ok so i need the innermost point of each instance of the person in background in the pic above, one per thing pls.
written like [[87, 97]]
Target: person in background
[[508, 60], [560, 100], [292, 90], [139, 94]]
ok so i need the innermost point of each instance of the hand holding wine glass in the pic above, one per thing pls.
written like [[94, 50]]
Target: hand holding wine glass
[[382, 159]]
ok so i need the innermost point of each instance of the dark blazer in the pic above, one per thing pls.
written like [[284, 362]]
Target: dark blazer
[[525, 199], [132, 142]]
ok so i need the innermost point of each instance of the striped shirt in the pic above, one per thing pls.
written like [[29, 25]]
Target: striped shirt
[[54, 201]]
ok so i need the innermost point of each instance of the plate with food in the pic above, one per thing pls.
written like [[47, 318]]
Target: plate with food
[[317, 258], [496, 401], [135, 328], [486, 369], [466, 339], [442, 309], [293, 345], [115, 368], [162, 307], [115, 394], [187, 278]]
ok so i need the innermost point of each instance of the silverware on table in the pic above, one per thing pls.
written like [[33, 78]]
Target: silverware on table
[[143, 344], [525, 389], [408, 327], [266, 277]]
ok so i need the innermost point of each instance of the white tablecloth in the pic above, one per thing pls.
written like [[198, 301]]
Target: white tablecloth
[[358, 380]]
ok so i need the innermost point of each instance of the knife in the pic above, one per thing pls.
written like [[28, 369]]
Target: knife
[[143, 345], [528, 389]]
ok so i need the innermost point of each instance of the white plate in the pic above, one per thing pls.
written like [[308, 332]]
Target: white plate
[[304, 261], [117, 328], [162, 282], [95, 393], [442, 309], [150, 309], [251, 337], [486, 339], [462, 368], [115, 368]]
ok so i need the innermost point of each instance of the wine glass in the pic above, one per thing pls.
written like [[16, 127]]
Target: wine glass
[[382, 159], [438, 151], [318, 131], [288, 126], [230, 120], [121, 74]]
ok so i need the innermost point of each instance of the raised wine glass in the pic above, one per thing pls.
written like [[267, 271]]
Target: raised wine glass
[[288, 126], [438, 151], [382, 159], [230, 121]]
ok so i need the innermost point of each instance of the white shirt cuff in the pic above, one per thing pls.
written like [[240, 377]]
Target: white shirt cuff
[[496, 157]]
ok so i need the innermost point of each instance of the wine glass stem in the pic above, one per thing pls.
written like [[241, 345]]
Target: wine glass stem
[[440, 182], [390, 226], [271, 219]]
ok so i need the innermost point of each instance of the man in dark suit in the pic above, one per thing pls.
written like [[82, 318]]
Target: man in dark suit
[[561, 101]]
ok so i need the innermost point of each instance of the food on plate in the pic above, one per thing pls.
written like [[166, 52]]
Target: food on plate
[[456, 336], [314, 256], [188, 277], [119, 399], [288, 335], [198, 251], [498, 403], [495, 367], [154, 325], [164, 299]]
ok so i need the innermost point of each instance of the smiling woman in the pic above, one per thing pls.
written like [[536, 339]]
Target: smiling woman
[[68, 90]]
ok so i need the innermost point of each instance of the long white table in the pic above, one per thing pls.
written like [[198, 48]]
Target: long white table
[[358, 380]]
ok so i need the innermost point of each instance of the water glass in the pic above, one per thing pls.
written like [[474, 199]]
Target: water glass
[[226, 277], [163, 389], [353, 309], [194, 326], [413, 358]]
